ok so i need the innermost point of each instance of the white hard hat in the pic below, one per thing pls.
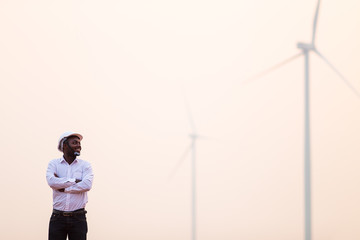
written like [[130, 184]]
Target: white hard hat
[[66, 135]]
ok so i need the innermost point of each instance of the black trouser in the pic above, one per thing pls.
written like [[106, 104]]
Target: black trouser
[[68, 224]]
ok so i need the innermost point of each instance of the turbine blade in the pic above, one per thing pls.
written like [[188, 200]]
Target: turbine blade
[[315, 23], [338, 73], [180, 161], [202, 137], [190, 116], [261, 74]]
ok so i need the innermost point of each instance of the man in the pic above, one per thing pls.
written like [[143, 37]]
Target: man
[[70, 178]]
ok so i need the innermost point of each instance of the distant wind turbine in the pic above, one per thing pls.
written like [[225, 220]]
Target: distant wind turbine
[[191, 148], [306, 49]]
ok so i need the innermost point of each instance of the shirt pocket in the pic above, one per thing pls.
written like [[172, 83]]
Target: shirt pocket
[[78, 174]]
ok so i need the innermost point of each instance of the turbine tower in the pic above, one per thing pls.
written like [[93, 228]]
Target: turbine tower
[[306, 49], [191, 148], [193, 136]]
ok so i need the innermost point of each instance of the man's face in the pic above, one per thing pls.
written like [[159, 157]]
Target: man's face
[[74, 145]]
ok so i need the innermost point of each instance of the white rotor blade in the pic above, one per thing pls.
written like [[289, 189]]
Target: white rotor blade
[[181, 160], [338, 73], [201, 137], [272, 68], [191, 120], [315, 22]]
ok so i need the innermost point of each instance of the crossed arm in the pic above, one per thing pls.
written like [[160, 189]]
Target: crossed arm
[[71, 185], [63, 189]]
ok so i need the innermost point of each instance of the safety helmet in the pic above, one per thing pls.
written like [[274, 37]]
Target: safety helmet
[[65, 136]]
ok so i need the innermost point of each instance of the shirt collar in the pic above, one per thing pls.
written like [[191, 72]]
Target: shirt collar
[[62, 160]]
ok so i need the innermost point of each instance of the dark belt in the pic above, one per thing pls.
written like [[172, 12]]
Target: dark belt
[[70, 214]]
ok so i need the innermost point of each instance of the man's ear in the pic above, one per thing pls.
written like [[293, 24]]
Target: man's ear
[[65, 144]]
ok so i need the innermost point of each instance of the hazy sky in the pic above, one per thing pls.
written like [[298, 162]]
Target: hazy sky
[[117, 72]]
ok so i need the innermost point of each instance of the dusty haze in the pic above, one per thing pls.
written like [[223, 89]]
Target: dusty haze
[[117, 71]]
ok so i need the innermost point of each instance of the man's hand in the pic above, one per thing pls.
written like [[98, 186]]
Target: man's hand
[[76, 180], [63, 189]]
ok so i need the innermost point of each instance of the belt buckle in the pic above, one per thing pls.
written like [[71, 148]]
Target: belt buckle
[[67, 214]]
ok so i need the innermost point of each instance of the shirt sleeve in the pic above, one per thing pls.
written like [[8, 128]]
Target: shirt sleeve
[[57, 182], [85, 184]]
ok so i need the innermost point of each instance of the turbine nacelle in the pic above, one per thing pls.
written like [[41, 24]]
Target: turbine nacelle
[[306, 46], [193, 136]]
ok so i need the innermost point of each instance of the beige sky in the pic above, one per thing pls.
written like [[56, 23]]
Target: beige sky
[[116, 71]]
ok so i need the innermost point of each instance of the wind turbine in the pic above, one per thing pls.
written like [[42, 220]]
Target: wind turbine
[[306, 49], [192, 148]]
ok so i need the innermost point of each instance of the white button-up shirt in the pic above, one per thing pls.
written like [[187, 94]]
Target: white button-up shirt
[[75, 195]]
